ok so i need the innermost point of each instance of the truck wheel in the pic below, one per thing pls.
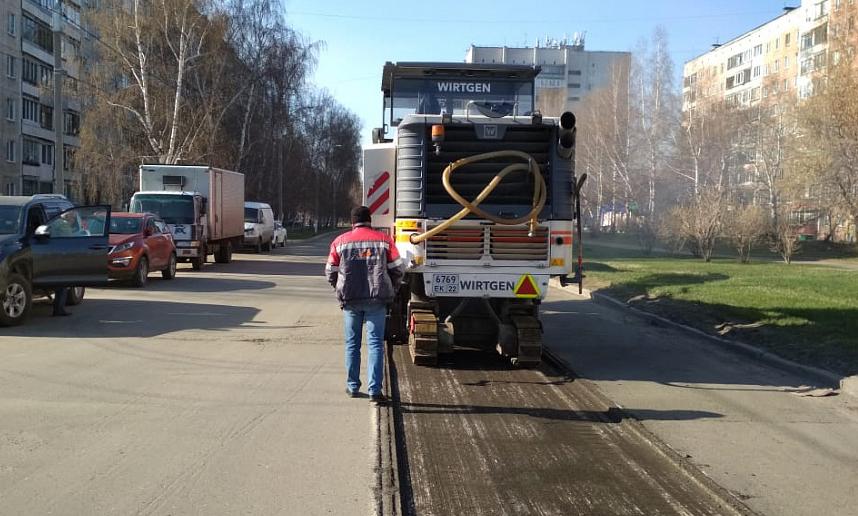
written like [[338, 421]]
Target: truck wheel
[[224, 253], [16, 301], [75, 296], [141, 275], [170, 272], [197, 263]]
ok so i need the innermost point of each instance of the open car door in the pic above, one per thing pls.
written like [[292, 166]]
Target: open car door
[[71, 249]]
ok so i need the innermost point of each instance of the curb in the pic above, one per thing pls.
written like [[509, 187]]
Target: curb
[[824, 377]]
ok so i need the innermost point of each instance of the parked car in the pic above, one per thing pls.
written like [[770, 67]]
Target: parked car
[[258, 226], [280, 235], [140, 244], [46, 243]]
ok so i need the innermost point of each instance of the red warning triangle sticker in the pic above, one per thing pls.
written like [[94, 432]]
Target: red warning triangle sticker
[[526, 287]]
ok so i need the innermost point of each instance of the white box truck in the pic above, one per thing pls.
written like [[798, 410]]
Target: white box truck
[[203, 207]]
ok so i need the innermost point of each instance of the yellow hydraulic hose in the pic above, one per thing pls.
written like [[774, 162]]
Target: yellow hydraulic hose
[[539, 192]]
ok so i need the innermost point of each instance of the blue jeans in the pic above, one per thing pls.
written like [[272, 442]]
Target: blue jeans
[[374, 315]]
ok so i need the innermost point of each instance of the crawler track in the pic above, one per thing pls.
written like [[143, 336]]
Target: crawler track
[[476, 436]]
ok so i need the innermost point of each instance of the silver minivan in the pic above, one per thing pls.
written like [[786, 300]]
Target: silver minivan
[[258, 226]]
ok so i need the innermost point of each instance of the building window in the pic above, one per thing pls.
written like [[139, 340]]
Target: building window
[[68, 157], [756, 71], [10, 67], [574, 99], [30, 109], [574, 84], [758, 50], [10, 188], [30, 72], [574, 72], [11, 24], [786, 39], [38, 33], [71, 123], [46, 117], [10, 151], [32, 152], [777, 64], [786, 62], [10, 109], [47, 154]]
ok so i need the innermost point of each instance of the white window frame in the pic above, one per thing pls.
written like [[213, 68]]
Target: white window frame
[[11, 67], [10, 150], [11, 24]]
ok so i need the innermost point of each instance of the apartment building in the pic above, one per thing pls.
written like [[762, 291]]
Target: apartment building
[[569, 72], [29, 127], [775, 62]]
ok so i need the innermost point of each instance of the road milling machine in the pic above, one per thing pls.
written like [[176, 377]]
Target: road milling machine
[[478, 190]]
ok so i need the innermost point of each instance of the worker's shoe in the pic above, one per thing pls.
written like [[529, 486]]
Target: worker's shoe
[[351, 393], [378, 398]]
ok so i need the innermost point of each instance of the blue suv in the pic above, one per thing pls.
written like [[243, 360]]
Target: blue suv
[[47, 243]]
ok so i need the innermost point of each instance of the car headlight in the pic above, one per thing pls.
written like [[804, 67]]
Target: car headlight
[[122, 247]]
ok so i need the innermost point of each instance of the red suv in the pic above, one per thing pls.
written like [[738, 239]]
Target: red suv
[[140, 243]]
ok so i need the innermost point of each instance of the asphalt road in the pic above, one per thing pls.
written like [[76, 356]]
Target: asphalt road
[[480, 437], [220, 392], [737, 419]]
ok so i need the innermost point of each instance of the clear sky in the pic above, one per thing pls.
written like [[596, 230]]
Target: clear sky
[[360, 35]]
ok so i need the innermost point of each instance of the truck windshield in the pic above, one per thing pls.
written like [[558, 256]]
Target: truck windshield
[[173, 209], [251, 215], [437, 95], [10, 219]]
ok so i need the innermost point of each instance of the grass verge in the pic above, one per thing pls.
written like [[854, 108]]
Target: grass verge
[[802, 312], [305, 233]]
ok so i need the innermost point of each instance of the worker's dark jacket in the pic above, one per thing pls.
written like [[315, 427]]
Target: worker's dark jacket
[[364, 267]]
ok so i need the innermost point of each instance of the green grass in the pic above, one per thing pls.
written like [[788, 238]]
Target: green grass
[[305, 233], [808, 251], [806, 313]]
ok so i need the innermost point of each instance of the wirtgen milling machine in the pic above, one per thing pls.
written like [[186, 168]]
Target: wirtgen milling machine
[[478, 190]]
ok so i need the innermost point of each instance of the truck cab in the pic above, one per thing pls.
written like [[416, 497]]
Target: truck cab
[[184, 215]]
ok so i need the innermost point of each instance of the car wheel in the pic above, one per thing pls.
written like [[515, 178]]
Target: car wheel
[[170, 271], [75, 296], [17, 299], [141, 275]]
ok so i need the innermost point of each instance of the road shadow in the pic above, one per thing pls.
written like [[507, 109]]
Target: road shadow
[[266, 268], [616, 346], [106, 318], [611, 415], [189, 283]]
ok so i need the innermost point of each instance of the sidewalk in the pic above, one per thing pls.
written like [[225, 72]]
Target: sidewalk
[[734, 418]]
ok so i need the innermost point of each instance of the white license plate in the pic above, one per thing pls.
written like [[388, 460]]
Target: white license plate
[[445, 284], [186, 252]]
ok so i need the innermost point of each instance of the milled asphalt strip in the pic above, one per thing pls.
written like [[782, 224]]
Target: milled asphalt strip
[[718, 494], [822, 376]]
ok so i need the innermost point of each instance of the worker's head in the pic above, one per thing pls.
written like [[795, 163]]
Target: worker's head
[[361, 216]]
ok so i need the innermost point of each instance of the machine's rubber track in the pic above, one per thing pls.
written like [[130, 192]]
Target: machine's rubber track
[[423, 333], [528, 331]]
